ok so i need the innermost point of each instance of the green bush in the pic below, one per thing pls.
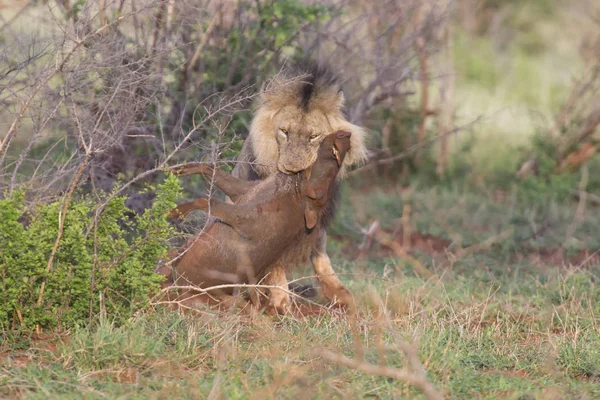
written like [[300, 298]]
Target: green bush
[[110, 269], [547, 183]]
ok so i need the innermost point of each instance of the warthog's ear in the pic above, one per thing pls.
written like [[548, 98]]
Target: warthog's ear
[[342, 141], [310, 217]]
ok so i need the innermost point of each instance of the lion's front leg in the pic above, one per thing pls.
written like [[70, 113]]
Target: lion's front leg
[[279, 299], [330, 283]]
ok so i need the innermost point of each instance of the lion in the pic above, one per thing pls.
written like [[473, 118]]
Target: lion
[[296, 110]]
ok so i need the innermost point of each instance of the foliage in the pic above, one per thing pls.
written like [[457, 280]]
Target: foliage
[[274, 32], [476, 67], [547, 182], [108, 270]]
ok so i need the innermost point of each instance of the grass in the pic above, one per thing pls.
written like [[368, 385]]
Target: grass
[[507, 321]]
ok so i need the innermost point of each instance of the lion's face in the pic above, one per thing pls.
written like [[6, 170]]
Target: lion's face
[[295, 113], [299, 134]]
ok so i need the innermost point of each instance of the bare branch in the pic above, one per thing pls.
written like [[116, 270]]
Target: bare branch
[[410, 378], [410, 150], [12, 131]]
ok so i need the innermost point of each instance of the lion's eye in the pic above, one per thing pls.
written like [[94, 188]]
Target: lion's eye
[[313, 137], [284, 131]]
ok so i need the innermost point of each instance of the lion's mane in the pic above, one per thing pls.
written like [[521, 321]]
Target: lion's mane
[[310, 87]]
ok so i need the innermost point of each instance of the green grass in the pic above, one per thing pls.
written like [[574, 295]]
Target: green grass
[[498, 324]]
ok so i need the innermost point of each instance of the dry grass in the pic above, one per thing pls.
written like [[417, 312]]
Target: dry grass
[[490, 326]]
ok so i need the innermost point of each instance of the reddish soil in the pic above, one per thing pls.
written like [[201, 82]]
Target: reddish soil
[[434, 245], [40, 343], [558, 256], [437, 246]]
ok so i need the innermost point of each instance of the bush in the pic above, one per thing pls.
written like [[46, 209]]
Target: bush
[[547, 183], [106, 266]]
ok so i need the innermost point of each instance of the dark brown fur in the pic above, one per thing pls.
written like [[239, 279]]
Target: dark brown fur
[[273, 220]]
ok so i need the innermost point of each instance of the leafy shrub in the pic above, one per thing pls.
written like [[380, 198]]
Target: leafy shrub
[[547, 183], [108, 268]]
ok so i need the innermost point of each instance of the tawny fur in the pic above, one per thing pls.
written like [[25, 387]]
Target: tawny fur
[[304, 101]]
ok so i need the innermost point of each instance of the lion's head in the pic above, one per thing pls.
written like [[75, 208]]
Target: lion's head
[[297, 109]]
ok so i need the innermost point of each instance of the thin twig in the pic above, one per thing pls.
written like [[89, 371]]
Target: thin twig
[[62, 215], [202, 43], [232, 286], [412, 149], [385, 240], [410, 378], [12, 131]]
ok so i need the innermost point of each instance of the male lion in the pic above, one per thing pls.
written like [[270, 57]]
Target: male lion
[[296, 110]]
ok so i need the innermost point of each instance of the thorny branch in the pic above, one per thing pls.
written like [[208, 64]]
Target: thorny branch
[[12, 131], [410, 150]]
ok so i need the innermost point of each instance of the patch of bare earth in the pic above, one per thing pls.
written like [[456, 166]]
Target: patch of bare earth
[[439, 247]]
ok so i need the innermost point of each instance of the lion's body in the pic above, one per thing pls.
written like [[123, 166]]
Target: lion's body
[[296, 110]]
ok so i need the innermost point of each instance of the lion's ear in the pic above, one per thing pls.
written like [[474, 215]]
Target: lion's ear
[[310, 217]]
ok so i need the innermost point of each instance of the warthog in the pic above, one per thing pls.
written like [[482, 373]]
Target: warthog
[[272, 222]]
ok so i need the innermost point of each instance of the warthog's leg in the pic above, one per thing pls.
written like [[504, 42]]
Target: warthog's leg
[[184, 209], [279, 299], [240, 217], [229, 213], [231, 186], [330, 283]]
